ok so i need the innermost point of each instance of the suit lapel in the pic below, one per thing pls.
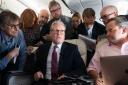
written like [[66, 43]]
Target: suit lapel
[[45, 55], [94, 32], [61, 59]]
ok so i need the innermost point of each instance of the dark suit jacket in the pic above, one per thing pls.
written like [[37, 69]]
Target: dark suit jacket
[[70, 60], [98, 29]]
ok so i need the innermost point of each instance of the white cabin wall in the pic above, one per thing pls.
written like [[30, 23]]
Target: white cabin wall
[[13, 5], [17, 6]]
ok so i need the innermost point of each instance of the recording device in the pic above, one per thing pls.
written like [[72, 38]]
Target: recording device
[[82, 80], [14, 59]]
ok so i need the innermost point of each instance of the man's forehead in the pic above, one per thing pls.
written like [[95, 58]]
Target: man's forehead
[[111, 23], [54, 7], [105, 12], [13, 22], [44, 14], [58, 26]]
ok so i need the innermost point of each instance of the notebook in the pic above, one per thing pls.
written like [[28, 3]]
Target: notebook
[[115, 70], [34, 49], [91, 43]]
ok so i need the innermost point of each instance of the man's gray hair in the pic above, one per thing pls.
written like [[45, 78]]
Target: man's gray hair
[[111, 8], [57, 22], [7, 17], [120, 20]]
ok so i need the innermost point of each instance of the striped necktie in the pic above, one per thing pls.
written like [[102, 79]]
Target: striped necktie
[[54, 64]]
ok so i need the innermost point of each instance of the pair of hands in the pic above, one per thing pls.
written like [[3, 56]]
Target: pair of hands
[[31, 49], [99, 81], [97, 77], [13, 53], [39, 75]]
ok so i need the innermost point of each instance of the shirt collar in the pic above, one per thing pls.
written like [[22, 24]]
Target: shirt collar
[[5, 37], [91, 27], [58, 45]]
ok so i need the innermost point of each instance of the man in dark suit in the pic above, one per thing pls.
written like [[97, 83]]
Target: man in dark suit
[[69, 60]]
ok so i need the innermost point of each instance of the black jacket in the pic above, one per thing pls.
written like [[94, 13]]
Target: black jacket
[[70, 60]]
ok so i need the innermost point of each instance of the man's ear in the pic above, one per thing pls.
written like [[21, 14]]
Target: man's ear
[[125, 29]]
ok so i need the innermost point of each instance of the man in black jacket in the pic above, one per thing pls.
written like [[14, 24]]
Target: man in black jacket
[[69, 60], [56, 14]]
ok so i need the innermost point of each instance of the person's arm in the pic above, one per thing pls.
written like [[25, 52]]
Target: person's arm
[[94, 66], [5, 60], [3, 63], [22, 51]]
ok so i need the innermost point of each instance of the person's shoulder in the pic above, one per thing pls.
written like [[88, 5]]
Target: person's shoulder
[[70, 45], [45, 45], [102, 43], [51, 20], [66, 18], [81, 25], [20, 33], [99, 24]]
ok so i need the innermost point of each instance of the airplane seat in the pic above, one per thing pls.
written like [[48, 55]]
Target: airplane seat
[[30, 63], [19, 78], [81, 47], [22, 77]]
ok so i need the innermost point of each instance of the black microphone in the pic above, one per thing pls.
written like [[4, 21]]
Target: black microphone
[[65, 80], [86, 79]]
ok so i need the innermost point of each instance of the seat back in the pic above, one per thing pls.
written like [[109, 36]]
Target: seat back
[[81, 47], [20, 80]]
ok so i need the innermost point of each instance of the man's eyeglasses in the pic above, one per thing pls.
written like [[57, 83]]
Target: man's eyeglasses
[[13, 26], [57, 31], [44, 17], [55, 10], [105, 17]]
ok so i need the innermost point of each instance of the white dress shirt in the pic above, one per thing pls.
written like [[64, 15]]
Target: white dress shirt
[[48, 68], [90, 31]]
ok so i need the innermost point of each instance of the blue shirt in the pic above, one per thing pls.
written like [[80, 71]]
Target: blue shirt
[[9, 43]]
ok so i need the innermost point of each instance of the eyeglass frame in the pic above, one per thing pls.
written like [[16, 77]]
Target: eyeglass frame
[[57, 31], [55, 9], [105, 16], [12, 26], [45, 17]]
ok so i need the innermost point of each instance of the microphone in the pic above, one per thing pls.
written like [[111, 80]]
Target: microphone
[[14, 59], [65, 80], [86, 79]]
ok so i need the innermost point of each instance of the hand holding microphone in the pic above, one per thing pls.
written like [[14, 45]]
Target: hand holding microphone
[[13, 54]]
